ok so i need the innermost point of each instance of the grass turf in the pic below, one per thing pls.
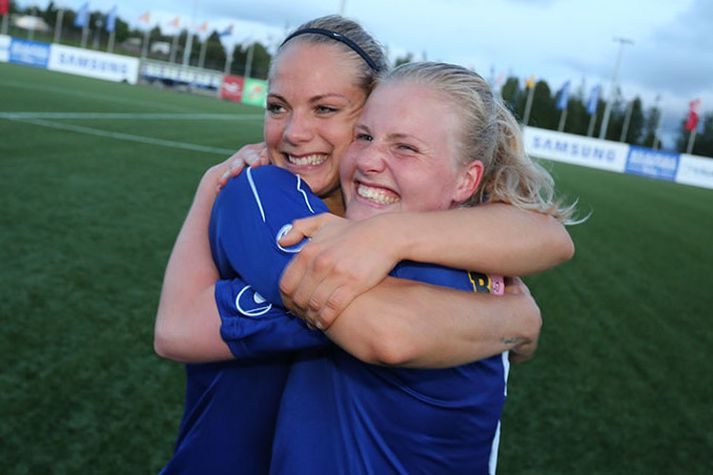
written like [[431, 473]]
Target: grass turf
[[89, 213]]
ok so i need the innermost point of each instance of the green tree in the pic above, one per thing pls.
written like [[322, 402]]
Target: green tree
[[403, 59], [651, 123], [543, 113], [513, 96], [636, 123]]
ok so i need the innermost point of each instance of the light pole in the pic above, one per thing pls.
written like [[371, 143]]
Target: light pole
[[610, 102]]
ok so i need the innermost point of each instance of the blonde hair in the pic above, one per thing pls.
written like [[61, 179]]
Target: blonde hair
[[366, 75], [489, 133]]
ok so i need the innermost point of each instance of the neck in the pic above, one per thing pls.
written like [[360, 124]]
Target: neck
[[335, 202]]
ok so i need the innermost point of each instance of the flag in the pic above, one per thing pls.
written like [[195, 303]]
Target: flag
[[593, 100], [530, 82], [692, 121], [111, 20], [564, 96], [227, 32], [175, 23], [4, 7], [145, 18], [202, 27], [82, 18]]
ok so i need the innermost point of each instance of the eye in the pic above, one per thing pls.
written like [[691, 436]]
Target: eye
[[361, 136], [326, 109], [275, 108], [404, 147]]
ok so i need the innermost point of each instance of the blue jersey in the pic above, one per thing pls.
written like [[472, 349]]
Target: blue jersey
[[338, 415], [231, 407]]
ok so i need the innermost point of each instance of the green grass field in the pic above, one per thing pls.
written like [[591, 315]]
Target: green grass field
[[91, 205]]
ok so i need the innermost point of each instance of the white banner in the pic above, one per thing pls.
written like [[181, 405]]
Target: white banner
[[575, 149], [696, 171], [111, 67], [196, 77], [4, 48]]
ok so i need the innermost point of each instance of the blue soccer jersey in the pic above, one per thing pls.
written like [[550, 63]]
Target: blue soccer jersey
[[231, 408], [338, 414]]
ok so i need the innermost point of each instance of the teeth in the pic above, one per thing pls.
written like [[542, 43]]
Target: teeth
[[314, 159], [377, 195]]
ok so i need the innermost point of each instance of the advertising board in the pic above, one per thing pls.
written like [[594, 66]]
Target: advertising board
[[95, 64]]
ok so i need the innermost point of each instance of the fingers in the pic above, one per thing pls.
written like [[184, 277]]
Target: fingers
[[301, 229]]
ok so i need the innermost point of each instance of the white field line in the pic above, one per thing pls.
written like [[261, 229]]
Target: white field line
[[124, 116], [127, 137]]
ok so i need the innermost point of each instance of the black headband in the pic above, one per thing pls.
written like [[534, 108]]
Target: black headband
[[336, 37]]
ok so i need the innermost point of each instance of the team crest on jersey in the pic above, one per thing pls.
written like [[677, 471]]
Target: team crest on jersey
[[250, 303], [485, 284], [482, 283], [292, 249]]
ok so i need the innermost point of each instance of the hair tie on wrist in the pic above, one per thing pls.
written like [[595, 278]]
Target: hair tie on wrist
[[336, 37]]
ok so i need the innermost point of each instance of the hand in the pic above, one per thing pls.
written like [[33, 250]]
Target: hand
[[343, 260], [252, 155], [526, 350]]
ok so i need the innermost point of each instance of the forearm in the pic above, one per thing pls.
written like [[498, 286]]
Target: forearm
[[405, 323], [493, 238], [187, 302]]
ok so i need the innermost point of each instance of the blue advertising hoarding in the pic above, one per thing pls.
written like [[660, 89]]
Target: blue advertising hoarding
[[32, 53], [652, 163]]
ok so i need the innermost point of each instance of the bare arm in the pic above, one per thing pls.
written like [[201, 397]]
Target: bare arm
[[187, 322], [404, 323], [345, 258]]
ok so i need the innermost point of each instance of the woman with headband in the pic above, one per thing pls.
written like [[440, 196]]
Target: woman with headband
[[317, 89]]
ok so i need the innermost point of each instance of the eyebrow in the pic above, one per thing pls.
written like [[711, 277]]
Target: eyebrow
[[319, 98]]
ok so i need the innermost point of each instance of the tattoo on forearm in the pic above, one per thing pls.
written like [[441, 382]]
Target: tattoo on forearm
[[513, 341]]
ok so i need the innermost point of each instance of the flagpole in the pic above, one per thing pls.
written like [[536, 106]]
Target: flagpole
[[691, 140], [145, 45], [189, 41], [610, 102], [229, 60], [85, 33], [563, 118], [5, 19], [58, 26], [201, 55], [590, 129], [249, 62], [627, 119], [528, 104], [174, 47], [110, 46]]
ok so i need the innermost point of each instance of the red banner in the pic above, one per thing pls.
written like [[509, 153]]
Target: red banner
[[232, 88], [4, 7]]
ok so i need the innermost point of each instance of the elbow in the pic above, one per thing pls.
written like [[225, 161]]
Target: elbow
[[167, 344], [390, 348]]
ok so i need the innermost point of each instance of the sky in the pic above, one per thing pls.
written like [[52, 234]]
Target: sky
[[556, 40]]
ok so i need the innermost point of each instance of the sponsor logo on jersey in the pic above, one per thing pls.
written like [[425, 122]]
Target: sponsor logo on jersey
[[250, 303]]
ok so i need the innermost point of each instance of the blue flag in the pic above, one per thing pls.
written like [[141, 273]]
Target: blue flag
[[227, 32], [111, 20], [82, 18], [593, 100], [564, 96]]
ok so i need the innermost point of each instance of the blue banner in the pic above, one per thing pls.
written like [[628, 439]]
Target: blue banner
[[593, 100], [652, 163], [33, 53], [563, 97], [82, 18]]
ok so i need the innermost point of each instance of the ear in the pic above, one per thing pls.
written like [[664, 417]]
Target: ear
[[468, 181]]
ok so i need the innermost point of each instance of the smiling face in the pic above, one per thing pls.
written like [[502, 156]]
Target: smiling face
[[312, 104], [404, 156]]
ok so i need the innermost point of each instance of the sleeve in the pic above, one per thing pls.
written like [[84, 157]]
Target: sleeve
[[253, 327], [448, 277], [250, 214]]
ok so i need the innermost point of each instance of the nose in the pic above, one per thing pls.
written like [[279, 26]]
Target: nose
[[298, 129], [372, 159]]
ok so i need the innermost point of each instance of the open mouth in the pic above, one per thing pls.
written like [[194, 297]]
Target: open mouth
[[305, 160], [377, 195]]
